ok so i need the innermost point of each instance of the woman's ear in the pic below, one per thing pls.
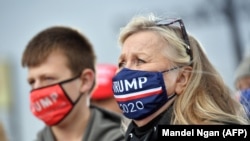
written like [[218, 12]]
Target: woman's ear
[[182, 79], [88, 80]]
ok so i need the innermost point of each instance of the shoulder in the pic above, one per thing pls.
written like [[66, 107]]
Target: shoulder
[[105, 125], [44, 134], [106, 115]]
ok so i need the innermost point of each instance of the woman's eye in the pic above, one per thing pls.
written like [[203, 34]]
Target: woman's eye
[[140, 61], [121, 64]]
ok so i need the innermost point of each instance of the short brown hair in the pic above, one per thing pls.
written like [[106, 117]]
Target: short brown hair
[[76, 47]]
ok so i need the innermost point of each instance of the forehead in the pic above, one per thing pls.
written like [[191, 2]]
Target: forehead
[[145, 41], [54, 64]]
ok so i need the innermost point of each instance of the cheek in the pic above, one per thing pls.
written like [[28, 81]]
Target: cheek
[[72, 91]]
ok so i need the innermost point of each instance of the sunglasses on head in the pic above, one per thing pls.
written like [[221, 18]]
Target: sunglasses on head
[[169, 22]]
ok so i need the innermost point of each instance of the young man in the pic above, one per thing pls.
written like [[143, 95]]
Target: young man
[[61, 73]]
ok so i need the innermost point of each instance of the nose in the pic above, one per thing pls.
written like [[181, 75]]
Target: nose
[[130, 65]]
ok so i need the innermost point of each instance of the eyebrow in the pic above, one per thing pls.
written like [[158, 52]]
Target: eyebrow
[[41, 76], [137, 53]]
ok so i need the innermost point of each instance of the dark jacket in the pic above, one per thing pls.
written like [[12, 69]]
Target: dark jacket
[[103, 126], [148, 132]]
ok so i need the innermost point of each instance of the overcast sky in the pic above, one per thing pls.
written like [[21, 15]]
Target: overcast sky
[[100, 21]]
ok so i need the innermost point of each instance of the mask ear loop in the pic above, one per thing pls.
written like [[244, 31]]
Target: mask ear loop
[[71, 79], [66, 94], [59, 83], [174, 68], [171, 96]]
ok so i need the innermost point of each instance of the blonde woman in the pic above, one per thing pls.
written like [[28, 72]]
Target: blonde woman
[[164, 77]]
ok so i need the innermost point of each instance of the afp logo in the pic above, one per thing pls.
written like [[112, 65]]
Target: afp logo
[[235, 133]]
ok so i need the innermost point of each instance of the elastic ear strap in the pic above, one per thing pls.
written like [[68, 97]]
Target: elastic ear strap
[[70, 79], [174, 68], [171, 96], [79, 97]]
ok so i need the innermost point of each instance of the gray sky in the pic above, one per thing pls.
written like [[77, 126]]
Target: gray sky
[[100, 21]]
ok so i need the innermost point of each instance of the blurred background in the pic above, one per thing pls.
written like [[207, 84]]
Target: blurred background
[[222, 26]]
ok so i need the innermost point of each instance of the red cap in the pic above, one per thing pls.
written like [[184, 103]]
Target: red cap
[[105, 73]]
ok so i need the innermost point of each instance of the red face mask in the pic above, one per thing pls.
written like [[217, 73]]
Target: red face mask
[[51, 104]]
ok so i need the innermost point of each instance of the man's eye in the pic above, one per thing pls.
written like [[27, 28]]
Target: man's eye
[[31, 82], [49, 79]]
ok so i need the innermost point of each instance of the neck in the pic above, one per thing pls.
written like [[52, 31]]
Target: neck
[[73, 126], [146, 120]]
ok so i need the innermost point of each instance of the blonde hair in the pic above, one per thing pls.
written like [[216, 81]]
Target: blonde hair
[[206, 98]]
